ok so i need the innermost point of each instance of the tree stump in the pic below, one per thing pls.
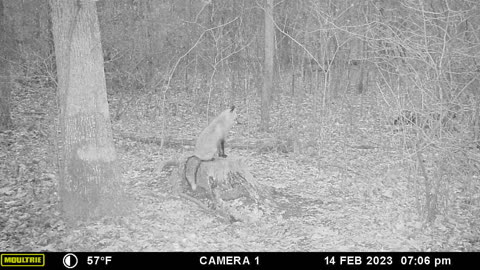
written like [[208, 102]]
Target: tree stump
[[227, 186]]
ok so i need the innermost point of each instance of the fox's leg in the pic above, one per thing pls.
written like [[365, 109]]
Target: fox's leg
[[221, 148]]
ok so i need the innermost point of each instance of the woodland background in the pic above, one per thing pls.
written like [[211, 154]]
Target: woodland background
[[369, 135]]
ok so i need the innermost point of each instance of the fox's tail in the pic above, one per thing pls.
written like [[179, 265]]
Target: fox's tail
[[191, 168]]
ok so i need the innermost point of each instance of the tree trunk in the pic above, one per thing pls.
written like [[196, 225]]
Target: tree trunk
[[5, 85], [88, 171], [268, 68]]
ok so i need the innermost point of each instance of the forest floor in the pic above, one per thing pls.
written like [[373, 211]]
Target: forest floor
[[346, 189]]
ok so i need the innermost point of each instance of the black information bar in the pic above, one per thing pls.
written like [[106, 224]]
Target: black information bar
[[241, 260]]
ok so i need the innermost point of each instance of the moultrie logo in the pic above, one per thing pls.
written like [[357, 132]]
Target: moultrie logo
[[22, 259]]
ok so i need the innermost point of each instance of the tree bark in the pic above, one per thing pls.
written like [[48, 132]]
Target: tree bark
[[88, 172], [268, 68], [5, 85]]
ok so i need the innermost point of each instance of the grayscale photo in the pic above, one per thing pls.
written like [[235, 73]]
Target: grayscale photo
[[264, 126]]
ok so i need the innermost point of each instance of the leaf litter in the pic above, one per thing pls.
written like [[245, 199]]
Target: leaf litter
[[336, 198]]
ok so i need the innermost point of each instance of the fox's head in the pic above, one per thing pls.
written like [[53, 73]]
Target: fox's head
[[230, 116]]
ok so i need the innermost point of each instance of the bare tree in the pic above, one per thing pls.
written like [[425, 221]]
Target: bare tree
[[88, 171], [268, 65], [5, 118]]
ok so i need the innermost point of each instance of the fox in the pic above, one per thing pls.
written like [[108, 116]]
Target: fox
[[210, 141]]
